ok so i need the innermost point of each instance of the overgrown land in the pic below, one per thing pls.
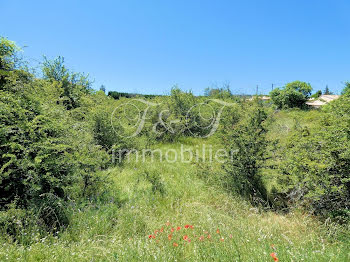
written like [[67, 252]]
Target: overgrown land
[[80, 181]]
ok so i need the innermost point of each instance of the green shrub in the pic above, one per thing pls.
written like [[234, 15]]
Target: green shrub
[[294, 94], [314, 170], [48, 155], [246, 142]]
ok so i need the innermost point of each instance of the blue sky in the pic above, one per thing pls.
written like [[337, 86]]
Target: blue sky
[[150, 46]]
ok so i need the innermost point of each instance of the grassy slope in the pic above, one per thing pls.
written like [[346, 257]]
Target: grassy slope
[[109, 233]]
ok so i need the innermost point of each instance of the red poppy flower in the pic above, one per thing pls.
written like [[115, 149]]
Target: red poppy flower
[[150, 236], [185, 237], [209, 236], [161, 230], [191, 227], [175, 244], [274, 256], [178, 228], [218, 231], [170, 236], [172, 229], [187, 226]]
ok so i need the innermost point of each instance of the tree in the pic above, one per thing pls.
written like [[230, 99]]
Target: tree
[[294, 94], [8, 50], [327, 91], [317, 94], [74, 85], [218, 92], [346, 90], [248, 140], [103, 88]]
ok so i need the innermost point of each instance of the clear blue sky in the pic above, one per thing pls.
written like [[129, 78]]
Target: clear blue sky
[[149, 46]]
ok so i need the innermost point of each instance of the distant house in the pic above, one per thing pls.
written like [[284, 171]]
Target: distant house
[[263, 98], [322, 100]]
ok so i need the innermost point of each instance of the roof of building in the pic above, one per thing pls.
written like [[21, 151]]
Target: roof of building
[[322, 100]]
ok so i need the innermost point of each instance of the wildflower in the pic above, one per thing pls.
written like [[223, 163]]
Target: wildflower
[[191, 226], [218, 231], [150, 236], [201, 238], [161, 230], [209, 236], [185, 237], [153, 236], [170, 236], [175, 244], [178, 228], [155, 232], [187, 226], [172, 229], [274, 256]]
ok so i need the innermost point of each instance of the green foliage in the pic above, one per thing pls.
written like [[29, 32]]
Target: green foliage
[[8, 50], [294, 94], [48, 155], [103, 88], [56, 139], [327, 91], [314, 163], [74, 85], [117, 95], [221, 93], [315, 170], [247, 143], [346, 90], [317, 94]]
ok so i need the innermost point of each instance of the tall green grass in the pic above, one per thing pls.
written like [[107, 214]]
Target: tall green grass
[[150, 196]]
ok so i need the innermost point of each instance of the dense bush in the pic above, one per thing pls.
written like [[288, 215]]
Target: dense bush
[[314, 166], [73, 85], [246, 141], [294, 94], [48, 152]]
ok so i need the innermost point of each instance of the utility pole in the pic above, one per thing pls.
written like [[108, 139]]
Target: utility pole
[[257, 89], [272, 87]]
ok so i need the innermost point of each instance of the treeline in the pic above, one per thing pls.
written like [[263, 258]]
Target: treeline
[[118, 95]]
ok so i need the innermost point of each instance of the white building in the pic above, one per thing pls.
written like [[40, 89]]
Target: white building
[[322, 100]]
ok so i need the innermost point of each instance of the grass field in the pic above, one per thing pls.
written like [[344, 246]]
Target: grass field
[[154, 197]]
